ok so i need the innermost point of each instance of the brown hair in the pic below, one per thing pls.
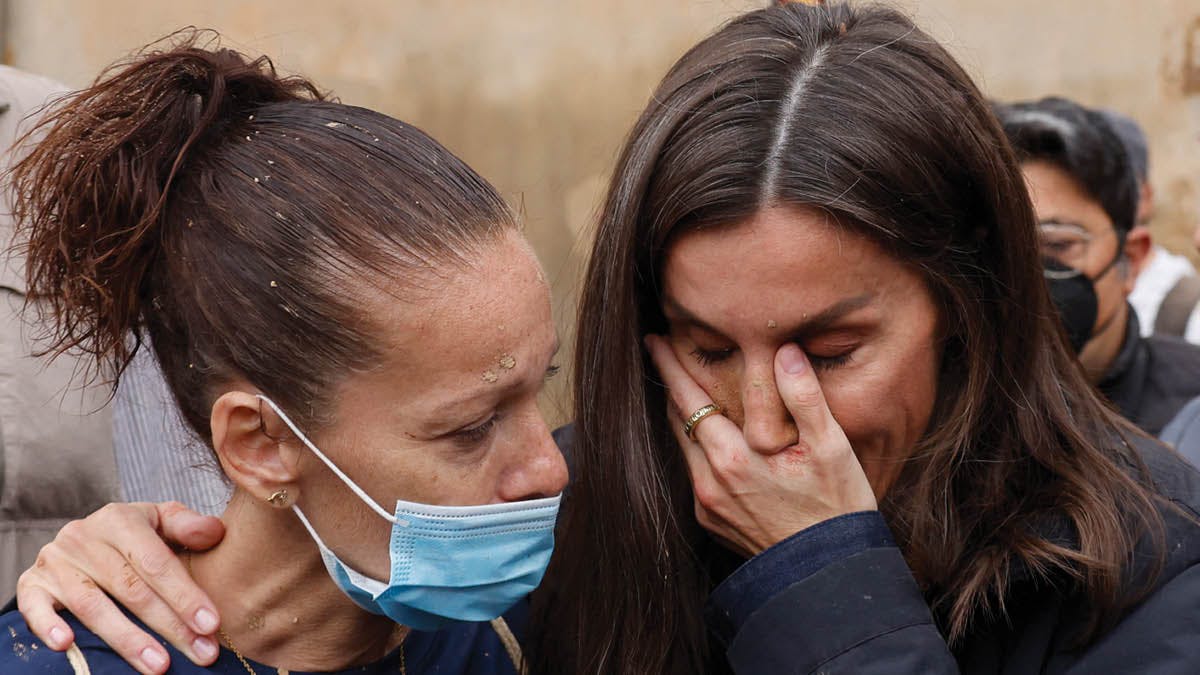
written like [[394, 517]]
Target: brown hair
[[857, 112], [233, 216]]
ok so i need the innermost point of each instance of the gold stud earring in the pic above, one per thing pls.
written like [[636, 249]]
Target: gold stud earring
[[279, 498]]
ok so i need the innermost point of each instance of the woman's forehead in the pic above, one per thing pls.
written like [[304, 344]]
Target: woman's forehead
[[480, 325], [780, 258]]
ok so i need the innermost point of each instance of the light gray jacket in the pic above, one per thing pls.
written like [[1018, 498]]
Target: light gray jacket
[[56, 451]]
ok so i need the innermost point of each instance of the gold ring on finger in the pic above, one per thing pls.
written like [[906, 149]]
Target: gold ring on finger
[[690, 425]]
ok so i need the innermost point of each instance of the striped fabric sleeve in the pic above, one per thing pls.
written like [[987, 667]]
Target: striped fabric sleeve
[[158, 458]]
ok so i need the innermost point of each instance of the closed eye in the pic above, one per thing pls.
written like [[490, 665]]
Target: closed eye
[[823, 363], [708, 357], [477, 433]]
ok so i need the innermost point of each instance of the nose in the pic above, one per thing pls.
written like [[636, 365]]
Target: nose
[[537, 467], [767, 424]]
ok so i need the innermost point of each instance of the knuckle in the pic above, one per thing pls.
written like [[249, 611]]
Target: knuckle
[[127, 642], [183, 600], [89, 602], [70, 533], [805, 395], [831, 449], [46, 557], [30, 578], [175, 627], [25, 584], [171, 509], [727, 465], [43, 565], [134, 590], [156, 563], [706, 497], [108, 512]]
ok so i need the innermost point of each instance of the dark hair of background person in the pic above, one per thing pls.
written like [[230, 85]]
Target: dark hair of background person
[[237, 219], [1133, 139], [1082, 143], [858, 113]]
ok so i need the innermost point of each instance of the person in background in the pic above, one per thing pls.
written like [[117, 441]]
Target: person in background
[[56, 454], [1085, 193], [1166, 290]]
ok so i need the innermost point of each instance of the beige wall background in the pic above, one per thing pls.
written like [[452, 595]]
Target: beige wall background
[[538, 94]]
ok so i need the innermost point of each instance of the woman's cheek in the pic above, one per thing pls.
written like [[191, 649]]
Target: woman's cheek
[[721, 383], [860, 403]]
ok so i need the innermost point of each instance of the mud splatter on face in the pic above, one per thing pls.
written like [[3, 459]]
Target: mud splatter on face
[[507, 361], [771, 323], [490, 376]]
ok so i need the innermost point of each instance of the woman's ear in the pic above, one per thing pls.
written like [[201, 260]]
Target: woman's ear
[[261, 463]]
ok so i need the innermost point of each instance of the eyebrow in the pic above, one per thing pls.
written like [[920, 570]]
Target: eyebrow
[[807, 326], [500, 392]]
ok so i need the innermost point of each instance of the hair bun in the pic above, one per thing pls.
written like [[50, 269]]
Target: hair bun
[[88, 198]]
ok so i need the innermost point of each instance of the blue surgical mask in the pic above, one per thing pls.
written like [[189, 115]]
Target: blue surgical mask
[[448, 563]]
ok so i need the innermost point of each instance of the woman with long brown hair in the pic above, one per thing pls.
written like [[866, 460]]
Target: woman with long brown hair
[[820, 226], [825, 420]]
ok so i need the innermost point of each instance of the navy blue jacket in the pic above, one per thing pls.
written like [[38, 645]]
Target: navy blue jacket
[[460, 649], [839, 598], [1152, 378]]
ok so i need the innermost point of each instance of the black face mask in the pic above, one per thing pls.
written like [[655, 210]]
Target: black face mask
[[1075, 298]]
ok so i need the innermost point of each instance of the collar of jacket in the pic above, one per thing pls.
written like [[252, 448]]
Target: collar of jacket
[[1125, 380]]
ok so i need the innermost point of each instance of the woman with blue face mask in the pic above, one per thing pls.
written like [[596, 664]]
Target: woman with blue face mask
[[349, 317]]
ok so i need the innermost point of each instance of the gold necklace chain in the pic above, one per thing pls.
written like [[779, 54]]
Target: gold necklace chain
[[246, 664]]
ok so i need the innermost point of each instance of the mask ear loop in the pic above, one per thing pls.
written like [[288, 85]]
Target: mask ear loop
[[1118, 258], [333, 467]]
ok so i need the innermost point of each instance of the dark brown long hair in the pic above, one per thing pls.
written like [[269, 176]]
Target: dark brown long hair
[[237, 219], [857, 112]]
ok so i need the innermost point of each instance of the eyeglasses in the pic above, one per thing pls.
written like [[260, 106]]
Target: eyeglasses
[[1066, 244]]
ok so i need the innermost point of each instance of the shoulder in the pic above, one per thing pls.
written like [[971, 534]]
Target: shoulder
[[1173, 368], [1157, 628], [26, 91], [1177, 482], [1175, 355], [1183, 432], [1173, 263], [1174, 478]]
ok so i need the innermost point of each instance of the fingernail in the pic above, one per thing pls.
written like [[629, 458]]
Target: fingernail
[[206, 621], [792, 359], [58, 638], [153, 659], [204, 648]]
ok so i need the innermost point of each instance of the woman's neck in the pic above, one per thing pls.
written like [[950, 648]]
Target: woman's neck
[[278, 604]]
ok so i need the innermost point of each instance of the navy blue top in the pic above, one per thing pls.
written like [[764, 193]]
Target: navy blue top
[[839, 597], [462, 649]]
